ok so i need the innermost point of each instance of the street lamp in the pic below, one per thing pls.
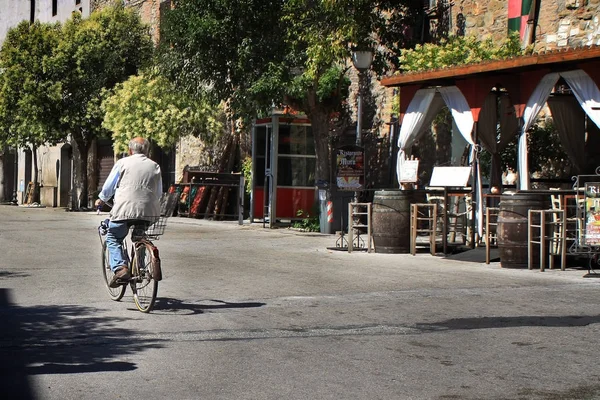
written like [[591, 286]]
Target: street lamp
[[362, 60]]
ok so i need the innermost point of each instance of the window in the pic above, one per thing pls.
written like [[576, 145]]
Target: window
[[296, 161], [54, 7], [296, 140], [77, 2]]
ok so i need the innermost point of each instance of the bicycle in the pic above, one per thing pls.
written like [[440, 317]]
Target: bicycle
[[143, 261]]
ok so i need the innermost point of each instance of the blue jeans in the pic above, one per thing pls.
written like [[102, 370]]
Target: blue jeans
[[117, 231]]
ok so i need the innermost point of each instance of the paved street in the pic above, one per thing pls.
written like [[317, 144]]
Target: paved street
[[251, 313]]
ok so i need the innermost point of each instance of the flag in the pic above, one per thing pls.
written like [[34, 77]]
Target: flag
[[518, 15]]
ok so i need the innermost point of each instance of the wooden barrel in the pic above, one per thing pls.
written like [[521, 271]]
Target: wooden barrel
[[513, 225], [391, 220]]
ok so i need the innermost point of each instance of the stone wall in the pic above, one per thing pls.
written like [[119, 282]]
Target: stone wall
[[560, 23]]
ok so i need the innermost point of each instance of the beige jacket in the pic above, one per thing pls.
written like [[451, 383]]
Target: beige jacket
[[136, 184]]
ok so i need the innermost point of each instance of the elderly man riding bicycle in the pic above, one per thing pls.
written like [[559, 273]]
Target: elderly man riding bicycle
[[135, 183]]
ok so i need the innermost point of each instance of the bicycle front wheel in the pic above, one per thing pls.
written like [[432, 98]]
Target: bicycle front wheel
[[117, 293], [145, 287]]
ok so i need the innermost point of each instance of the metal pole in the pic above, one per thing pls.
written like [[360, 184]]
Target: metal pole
[[359, 112], [359, 123]]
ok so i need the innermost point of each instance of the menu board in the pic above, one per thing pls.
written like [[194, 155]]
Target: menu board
[[410, 171], [592, 214], [450, 176], [350, 168]]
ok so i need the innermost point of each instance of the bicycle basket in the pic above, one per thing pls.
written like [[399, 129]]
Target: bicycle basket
[[157, 228]]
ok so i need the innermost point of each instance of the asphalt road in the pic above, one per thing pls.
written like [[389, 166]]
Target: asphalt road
[[251, 313]]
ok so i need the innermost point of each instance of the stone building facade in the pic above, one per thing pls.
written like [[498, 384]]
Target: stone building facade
[[558, 23]]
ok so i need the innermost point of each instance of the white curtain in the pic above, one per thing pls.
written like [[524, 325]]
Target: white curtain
[[534, 105], [586, 92], [413, 123], [461, 112], [463, 117]]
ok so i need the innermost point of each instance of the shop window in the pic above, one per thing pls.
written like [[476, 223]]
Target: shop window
[[295, 139], [296, 171], [296, 161], [261, 138]]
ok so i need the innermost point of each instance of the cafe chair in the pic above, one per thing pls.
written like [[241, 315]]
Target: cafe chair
[[423, 222], [490, 230], [546, 231], [573, 215], [456, 217]]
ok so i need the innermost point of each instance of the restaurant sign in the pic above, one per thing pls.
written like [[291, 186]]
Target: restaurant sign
[[592, 214], [350, 168]]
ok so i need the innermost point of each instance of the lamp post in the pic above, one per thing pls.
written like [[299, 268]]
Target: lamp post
[[362, 60]]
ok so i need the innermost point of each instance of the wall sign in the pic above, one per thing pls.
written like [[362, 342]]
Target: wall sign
[[350, 168], [592, 214]]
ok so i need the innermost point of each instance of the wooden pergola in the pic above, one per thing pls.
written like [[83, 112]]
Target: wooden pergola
[[519, 75]]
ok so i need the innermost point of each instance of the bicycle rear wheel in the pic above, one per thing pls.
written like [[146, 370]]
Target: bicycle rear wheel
[[145, 287], [115, 294]]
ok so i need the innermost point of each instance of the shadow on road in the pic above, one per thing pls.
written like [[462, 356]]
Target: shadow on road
[[166, 304], [59, 340], [7, 274], [511, 322]]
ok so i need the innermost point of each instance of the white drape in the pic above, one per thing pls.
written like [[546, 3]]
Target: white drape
[[586, 92], [534, 105], [463, 117], [461, 112], [412, 123]]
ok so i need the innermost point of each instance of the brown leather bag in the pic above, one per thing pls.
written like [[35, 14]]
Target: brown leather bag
[[156, 267]]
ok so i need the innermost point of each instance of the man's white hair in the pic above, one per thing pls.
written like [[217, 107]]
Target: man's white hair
[[138, 146]]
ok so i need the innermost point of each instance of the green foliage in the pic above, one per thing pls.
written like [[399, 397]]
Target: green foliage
[[222, 48], [151, 107], [307, 223], [458, 50], [281, 52], [247, 172], [29, 93], [94, 55]]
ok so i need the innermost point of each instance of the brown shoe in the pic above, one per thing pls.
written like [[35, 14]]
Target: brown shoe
[[120, 278]]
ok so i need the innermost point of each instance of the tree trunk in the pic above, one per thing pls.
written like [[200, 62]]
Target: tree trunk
[[223, 197], [35, 198], [320, 128], [83, 146], [319, 119]]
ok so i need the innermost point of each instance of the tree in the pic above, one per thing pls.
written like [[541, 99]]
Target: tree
[[151, 107], [253, 53], [93, 56], [29, 93]]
